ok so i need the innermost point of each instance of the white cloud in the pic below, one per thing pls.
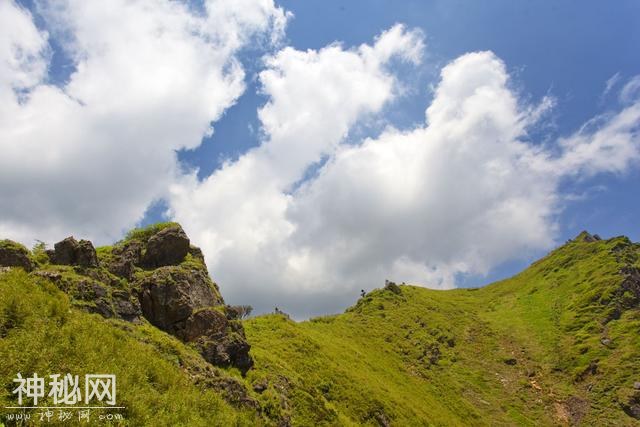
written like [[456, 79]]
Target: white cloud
[[610, 84], [239, 213], [460, 194], [605, 144], [630, 92], [150, 76], [451, 197], [22, 48]]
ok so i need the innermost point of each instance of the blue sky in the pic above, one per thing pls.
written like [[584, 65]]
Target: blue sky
[[289, 138], [567, 48]]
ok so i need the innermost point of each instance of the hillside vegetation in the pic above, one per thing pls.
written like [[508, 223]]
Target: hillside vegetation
[[558, 344], [159, 378]]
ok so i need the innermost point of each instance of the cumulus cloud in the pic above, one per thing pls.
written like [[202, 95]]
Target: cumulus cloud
[[460, 194], [150, 76], [239, 213], [22, 49]]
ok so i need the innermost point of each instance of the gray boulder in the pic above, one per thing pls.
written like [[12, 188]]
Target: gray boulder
[[167, 247], [207, 322], [231, 349], [171, 294], [71, 252]]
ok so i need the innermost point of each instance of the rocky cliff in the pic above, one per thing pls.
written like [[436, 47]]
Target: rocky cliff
[[153, 275]]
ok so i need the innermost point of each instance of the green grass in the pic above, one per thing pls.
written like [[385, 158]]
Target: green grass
[[143, 234], [10, 244], [556, 344], [521, 351], [42, 333]]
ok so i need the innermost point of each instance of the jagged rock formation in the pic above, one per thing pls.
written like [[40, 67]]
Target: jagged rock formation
[[71, 252], [155, 275], [167, 247], [587, 237], [169, 296]]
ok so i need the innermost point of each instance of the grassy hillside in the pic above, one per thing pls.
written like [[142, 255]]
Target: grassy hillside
[[159, 379], [557, 344]]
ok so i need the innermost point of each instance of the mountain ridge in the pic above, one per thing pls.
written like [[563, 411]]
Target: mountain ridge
[[557, 344]]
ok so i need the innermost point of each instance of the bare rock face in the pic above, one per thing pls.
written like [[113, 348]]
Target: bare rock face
[[209, 322], [65, 251], [229, 350], [125, 306], [13, 254], [170, 295], [221, 342], [187, 304], [167, 247], [71, 252]]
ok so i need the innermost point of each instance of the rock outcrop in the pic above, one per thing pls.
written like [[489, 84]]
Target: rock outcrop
[[155, 274], [13, 254], [167, 247], [71, 252], [228, 348], [587, 237], [126, 258], [170, 295], [187, 304]]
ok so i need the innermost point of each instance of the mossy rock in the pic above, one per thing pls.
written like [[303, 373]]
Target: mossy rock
[[13, 254]]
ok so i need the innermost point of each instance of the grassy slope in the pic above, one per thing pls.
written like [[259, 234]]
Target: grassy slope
[[526, 350], [41, 332]]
